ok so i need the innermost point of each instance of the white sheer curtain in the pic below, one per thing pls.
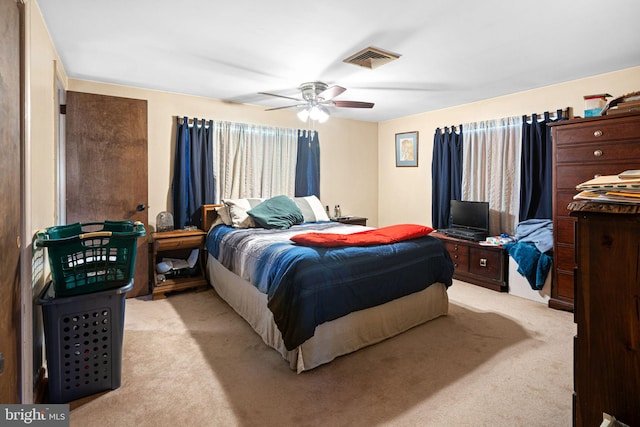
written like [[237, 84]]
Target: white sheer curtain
[[491, 169], [254, 161]]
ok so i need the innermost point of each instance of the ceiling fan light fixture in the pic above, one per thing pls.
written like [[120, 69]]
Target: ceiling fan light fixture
[[315, 97], [324, 114], [303, 114], [319, 113]]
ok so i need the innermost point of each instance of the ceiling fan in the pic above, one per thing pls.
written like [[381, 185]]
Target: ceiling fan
[[315, 98]]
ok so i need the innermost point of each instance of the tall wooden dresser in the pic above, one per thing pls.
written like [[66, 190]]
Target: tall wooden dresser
[[583, 149], [607, 314]]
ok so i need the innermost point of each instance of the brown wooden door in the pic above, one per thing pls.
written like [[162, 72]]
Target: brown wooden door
[[106, 166], [10, 204]]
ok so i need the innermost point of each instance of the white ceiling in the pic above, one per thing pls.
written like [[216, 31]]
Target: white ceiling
[[453, 51]]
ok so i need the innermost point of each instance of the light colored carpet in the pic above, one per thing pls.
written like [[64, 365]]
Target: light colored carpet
[[190, 360]]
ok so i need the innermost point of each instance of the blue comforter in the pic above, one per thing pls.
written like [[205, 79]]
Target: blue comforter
[[307, 286]]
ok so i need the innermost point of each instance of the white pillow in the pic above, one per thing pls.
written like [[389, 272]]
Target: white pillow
[[238, 211], [312, 209], [223, 214]]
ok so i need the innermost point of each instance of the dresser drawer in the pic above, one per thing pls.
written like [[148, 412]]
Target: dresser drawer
[[565, 257], [604, 131], [455, 248], [603, 151], [486, 263], [179, 243], [567, 177], [459, 256], [565, 285], [565, 230], [563, 198]]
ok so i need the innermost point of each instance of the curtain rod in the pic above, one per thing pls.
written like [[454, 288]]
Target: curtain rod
[[565, 114], [252, 125], [204, 121], [452, 128]]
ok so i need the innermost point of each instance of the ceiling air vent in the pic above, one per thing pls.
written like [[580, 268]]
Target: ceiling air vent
[[371, 57]]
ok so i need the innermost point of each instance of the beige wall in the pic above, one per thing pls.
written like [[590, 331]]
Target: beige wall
[[41, 69], [348, 148], [404, 194], [41, 116]]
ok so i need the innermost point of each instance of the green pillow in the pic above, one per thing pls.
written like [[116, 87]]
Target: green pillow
[[277, 212]]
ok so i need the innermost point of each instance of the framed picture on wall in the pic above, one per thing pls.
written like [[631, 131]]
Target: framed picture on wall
[[407, 149]]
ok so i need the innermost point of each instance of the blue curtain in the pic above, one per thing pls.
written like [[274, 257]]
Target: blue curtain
[[446, 174], [308, 164], [193, 178], [536, 168]]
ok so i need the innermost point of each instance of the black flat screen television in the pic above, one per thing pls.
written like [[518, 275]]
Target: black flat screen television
[[470, 215]]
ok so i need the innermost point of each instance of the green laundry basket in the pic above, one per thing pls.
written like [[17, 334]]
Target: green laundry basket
[[91, 257]]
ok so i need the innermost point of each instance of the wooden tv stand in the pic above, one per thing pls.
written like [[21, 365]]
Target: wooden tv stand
[[486, 266]]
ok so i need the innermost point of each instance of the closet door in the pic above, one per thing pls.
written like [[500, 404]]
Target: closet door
[[10, 204], [106, 166]]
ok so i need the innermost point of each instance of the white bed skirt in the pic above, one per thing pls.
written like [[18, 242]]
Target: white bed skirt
[[337, 337]]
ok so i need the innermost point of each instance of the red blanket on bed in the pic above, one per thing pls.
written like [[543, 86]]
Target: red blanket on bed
[[376, 236]]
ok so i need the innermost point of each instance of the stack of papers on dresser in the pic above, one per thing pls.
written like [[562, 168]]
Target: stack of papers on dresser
[[623, 188]]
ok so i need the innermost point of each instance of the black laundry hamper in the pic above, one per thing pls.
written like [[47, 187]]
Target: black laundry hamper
[[83, 341]]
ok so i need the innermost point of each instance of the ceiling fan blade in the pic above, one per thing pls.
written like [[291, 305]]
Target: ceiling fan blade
[[286, 106], [280, 96], [353, 104], [331, 92]]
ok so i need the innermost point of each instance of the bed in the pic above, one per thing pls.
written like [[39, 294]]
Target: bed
[[313, 302]]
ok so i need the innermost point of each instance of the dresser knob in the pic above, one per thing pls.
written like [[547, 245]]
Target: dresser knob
[[597, 133], [597, 153]]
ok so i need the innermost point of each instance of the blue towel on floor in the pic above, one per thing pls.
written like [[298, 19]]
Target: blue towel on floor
[[532, 264]]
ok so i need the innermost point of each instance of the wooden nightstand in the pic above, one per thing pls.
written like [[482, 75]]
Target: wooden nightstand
[[177, 244], [355, 220]]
